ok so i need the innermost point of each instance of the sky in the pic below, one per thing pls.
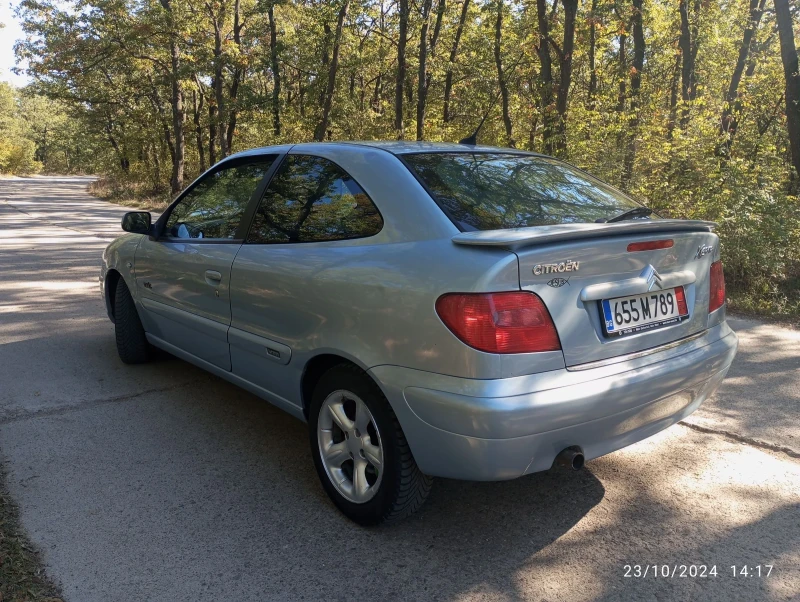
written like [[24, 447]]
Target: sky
[[8, 35]]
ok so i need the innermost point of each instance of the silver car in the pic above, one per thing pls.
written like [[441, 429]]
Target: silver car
[[429, 309]]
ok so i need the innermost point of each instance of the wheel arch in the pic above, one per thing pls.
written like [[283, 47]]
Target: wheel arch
[[319, 365], [111, 281]]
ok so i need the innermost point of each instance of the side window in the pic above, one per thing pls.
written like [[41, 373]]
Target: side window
[[311, 199], [214, 207]]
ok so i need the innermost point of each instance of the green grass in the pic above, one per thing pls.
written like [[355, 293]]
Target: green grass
[[22, 577], [771, 309]]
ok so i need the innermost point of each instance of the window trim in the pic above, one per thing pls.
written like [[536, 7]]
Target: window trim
[[241, 231], [511, 152], [271, 176]]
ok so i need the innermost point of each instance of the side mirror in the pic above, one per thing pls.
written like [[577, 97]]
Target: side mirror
[[137, 222]]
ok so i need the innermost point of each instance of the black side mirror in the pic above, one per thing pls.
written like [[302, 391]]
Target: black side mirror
[[137, 222]]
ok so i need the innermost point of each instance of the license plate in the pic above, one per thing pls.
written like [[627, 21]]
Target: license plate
[[637, 313]]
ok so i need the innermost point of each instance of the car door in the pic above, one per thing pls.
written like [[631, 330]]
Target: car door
[[183, 276], [313, 218]]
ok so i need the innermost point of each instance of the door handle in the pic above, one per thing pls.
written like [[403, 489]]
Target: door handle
[[213, 277]]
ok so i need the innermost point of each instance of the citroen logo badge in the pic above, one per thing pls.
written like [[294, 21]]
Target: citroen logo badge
[[652, 277]]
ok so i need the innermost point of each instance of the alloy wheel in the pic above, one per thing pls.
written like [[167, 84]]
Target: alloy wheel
[[350, 446]]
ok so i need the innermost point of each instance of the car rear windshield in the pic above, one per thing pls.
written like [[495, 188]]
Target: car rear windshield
[[490, 191]]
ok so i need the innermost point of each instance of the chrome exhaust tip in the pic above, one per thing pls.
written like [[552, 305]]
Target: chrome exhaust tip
[[570, 458]]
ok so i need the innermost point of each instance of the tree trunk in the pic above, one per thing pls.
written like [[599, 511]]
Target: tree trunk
[[322, 126], [546, 79], [326, 61], [636, 84], [437, 27], [570, 13], [176, 101], [423, 67], [219, 92], [176, 180], [401, 68], [622, 95], [197, 105], [448, 82], [732, 108], [688, 45], [276, 74], [783, 17], [673, 96], [236, 80], [124, 163], [498, 61], [590, 96], [212, 134]]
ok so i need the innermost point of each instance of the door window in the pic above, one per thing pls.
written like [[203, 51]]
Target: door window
[[215, 206], [311, 199]]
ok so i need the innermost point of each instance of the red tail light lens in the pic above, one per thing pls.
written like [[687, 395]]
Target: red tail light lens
[[680, 297], [650, 245], [717, 288], [512, 322]]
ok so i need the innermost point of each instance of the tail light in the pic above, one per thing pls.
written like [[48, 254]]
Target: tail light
[[717, 297], [512, 322], [680, 297]]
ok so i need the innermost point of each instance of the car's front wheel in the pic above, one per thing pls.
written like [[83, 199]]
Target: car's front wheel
[[132, 344], [360, 452]]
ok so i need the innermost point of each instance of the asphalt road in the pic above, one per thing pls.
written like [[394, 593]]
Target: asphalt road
[[160, 482]]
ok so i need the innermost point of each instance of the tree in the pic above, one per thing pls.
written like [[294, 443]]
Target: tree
[[565, 56], [732, 105], [322, 127], [276, 72], [422, 77], [792, 76], [401, 67], [501, 78], [688, 45], [636, 84], [448, 83]]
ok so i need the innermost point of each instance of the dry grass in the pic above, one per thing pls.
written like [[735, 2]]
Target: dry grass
[[129, 194], [22, 578]]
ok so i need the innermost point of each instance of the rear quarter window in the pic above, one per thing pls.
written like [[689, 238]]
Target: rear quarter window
[[311, 199]]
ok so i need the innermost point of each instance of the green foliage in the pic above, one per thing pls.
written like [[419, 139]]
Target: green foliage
[[17, 150]]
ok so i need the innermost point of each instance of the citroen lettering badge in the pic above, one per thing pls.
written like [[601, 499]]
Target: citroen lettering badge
[[556, 268]]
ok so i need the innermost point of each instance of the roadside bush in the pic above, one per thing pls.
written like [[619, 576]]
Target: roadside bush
[[17, 158]]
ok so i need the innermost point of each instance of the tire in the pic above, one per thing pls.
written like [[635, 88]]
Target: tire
[[132, 344], [395, 491]]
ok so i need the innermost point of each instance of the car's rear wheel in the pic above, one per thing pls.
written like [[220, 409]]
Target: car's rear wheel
[[132, 344], [360, 452]]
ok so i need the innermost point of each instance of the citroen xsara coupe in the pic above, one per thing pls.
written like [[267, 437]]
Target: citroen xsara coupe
[[429, 309]]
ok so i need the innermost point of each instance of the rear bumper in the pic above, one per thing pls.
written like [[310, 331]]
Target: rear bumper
[[501, 429]]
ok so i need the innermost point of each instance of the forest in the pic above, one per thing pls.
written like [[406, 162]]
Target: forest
[[690, 106]]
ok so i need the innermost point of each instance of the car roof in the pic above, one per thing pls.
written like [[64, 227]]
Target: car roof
[[396, 147]]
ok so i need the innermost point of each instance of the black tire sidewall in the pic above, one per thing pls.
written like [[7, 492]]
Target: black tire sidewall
[[132, 344], [373, 511]]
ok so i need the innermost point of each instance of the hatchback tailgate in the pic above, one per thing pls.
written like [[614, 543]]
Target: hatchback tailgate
[[574, 269]]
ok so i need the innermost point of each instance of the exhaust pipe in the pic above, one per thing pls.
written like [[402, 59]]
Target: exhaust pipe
[[570, 458]]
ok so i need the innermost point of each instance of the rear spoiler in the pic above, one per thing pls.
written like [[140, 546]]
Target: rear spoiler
[[514, 238]]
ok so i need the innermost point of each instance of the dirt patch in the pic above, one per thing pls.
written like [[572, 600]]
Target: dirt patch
[[22, 578]]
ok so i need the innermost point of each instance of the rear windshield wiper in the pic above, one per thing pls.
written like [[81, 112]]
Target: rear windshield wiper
[[630, 214]]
